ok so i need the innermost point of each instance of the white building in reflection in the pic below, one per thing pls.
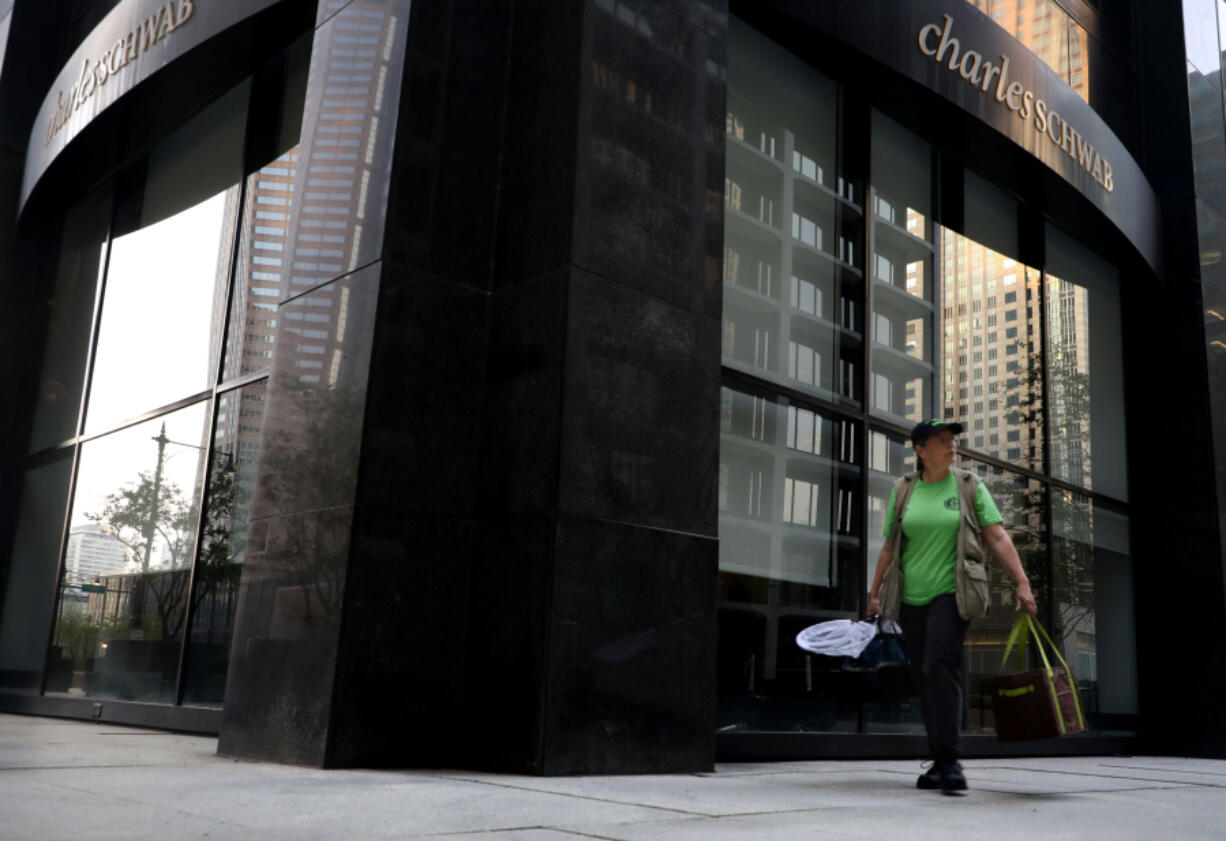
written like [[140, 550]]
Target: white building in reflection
[[94, 550]]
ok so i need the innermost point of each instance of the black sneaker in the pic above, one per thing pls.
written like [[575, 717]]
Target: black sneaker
[[930, 779], [950, 777]]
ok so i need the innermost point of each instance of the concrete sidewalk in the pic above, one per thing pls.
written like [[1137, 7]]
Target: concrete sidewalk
[[79, 781]]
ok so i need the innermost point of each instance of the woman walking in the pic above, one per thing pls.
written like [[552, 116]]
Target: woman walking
[[925, 542]]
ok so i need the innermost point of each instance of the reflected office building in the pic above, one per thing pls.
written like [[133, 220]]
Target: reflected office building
[[364, 356]]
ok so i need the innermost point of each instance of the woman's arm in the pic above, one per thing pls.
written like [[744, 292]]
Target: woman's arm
[[1002, 547], [883, 561]]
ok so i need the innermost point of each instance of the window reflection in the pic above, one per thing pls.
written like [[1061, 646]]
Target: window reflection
[[991, 350], [164, 299], [156, 332], [1047, 31], [1092, 598], [1022, 504], [788, 552], [32, 570], [903, 286], [61, 380], [1085, 389], [214, 596], [793, 230], [124, 592], [265, 257]]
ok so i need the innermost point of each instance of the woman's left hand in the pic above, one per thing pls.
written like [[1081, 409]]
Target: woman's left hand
[[1025, 600]]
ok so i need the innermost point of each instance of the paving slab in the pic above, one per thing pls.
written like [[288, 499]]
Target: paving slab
[[80, 781]]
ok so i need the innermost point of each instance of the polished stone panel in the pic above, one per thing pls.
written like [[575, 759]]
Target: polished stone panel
[[632, 650], [339, 205], [400, 679], [316, 398], [524, 414], [443, 204], [421, 440], [506, 662], [640, 438], [650, 173], [279, 689], [536, 198]]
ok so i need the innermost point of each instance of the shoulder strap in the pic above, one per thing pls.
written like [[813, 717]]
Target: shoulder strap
[[902, 495], [968, 486]]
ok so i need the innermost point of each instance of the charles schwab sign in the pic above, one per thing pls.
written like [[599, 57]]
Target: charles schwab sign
[[137, 39], [964, 57], [938, 42]]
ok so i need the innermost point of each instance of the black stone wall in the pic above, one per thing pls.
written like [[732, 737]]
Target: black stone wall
[[521, 555]]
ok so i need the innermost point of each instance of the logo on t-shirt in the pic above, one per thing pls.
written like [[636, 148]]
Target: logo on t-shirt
[[952, 504]]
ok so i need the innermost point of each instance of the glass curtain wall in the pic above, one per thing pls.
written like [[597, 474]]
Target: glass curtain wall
[[146, 433], [1025, 354]]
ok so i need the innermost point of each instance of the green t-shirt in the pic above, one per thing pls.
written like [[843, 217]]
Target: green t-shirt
[[930, 526]]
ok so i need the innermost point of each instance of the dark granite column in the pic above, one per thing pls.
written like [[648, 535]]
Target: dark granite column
[[592, 633], [506, 505], [282, 678]]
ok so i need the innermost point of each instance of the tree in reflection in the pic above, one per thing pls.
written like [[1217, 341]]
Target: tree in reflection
[[223, 539], [1067, 390], [147, 515], [308, 452]]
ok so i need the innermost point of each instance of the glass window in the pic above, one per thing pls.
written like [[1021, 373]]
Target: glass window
[[991, 243], [903, 286], [1047, 31], [793, 240], [1085, 385], [1092, 607], [61, 381], [258, 287], [1021, 502], [163, 305], [29, 593], [788, 558], [132, 536], [214, 595], [889, 457]]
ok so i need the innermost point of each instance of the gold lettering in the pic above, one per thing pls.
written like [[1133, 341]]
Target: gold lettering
[[148, 33], [1068, 140], [1027, 105], [930, 29], [1085, 153], [1107, 182], [1097, 171], [1001, 86], [131, 46], [1040, 115], [1013, 96], [186, 9], [989, 70], [1052, 119], [948, 43], [971, 74], [79, 93], [166, 20], [114, 59]]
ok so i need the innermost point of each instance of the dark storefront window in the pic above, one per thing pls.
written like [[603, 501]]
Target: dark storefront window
[[959, 326], [146, 434], [127, 567]]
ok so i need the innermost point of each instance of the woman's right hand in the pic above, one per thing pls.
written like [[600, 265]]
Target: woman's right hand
[[874, 606]]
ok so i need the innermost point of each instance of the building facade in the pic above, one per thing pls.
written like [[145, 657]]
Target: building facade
[[505, 385]]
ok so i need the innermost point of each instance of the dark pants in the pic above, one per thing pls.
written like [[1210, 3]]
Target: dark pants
[[933, 635]]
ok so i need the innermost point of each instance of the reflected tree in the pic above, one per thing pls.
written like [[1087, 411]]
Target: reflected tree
[[151, 513], [1072, 529]]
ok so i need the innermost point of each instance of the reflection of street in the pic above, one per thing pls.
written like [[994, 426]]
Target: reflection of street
[[119, 622]]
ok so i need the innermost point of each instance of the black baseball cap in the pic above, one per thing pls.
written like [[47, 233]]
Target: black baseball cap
[[925, 428]]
